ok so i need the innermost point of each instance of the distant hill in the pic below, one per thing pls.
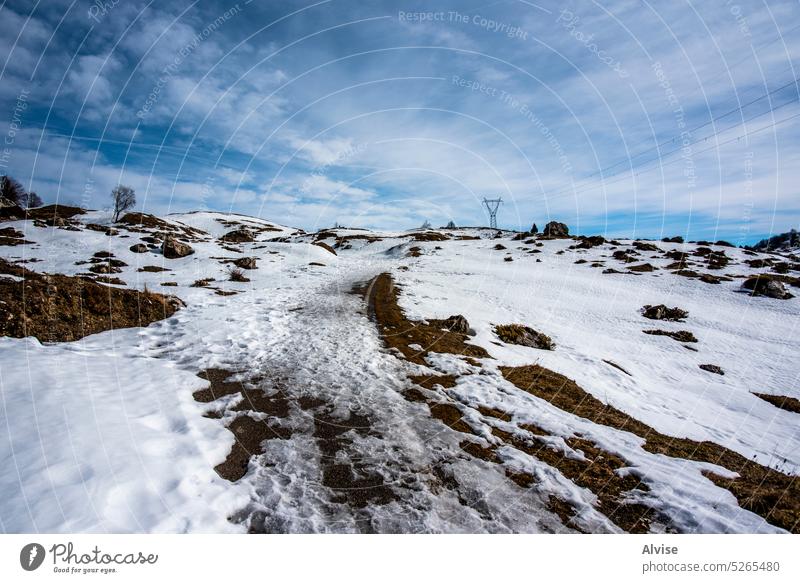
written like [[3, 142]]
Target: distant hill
[[784, 242]]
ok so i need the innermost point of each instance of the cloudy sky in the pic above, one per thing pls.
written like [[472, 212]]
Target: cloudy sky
[[625, 118]]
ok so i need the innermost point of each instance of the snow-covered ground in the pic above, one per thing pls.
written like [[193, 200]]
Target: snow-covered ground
[[103, 434]]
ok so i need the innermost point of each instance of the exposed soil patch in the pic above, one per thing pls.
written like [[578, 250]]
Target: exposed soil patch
[[325, 246], [351, 481], [54, 211], [10, 237], [141, 222], [769, 493], [785, 403], [399, 332], [679, 335], [598, 472], [643, 268], [250, 433], [430, 236], [430, 381], [59, 308], [618, 367]]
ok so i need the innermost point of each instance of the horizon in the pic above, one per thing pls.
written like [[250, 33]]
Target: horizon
[[388, 115]]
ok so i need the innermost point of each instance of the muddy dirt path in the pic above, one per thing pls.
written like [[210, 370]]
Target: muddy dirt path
[[326, 440]]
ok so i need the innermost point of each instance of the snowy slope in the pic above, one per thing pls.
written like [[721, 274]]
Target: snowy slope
[[104, 434]]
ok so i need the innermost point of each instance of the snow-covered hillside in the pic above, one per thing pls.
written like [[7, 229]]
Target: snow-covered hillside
[[336, 430]]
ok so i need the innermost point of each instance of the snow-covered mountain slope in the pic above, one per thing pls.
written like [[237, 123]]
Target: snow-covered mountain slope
[[105, 434]]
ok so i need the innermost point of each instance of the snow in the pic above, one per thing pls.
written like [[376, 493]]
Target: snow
[[104, 435]]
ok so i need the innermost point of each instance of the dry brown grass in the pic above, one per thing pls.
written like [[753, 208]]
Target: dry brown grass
[[59, 308], [399, 332], [768, 492], [785, 403]]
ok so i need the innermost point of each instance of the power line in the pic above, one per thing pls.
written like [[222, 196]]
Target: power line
[[694, 129]]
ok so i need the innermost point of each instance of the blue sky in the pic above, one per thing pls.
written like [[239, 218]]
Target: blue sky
[[386, 114]]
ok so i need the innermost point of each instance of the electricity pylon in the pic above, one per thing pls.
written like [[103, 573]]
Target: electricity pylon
[[492, 204]]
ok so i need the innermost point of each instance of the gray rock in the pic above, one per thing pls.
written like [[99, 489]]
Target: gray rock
[[556, 229], [174, 249], [246, 263]]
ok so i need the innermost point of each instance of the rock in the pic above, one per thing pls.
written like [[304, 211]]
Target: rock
[[643, 268], [139, 248], [456, 323], [589, 242], [534, 229], [724, 244], [499, 247], [662, 312], [712, 368], [764, 285], [174, 249], [677, 239], [556, 230], [240, 235], [104, 268], [643, 246], [626, 256], [246, 263], [524, 336]]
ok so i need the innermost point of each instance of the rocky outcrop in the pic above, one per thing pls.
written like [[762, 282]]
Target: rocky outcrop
[[524, 336], [240, 235], [556, 230], [456, 323], [764, 285], [246, 263], [174, 249]]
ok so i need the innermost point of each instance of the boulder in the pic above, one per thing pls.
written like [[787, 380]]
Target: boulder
[[677, 239], [763, 285], [139, 248], [524, 336], [246, 263], [644, 246], [240, 235], [455, 323], [174, 249], [589, 242], [556, 230]]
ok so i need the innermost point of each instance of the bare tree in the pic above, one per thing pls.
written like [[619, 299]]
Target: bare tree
[[12, 190], [124, 198], [33, 200]]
